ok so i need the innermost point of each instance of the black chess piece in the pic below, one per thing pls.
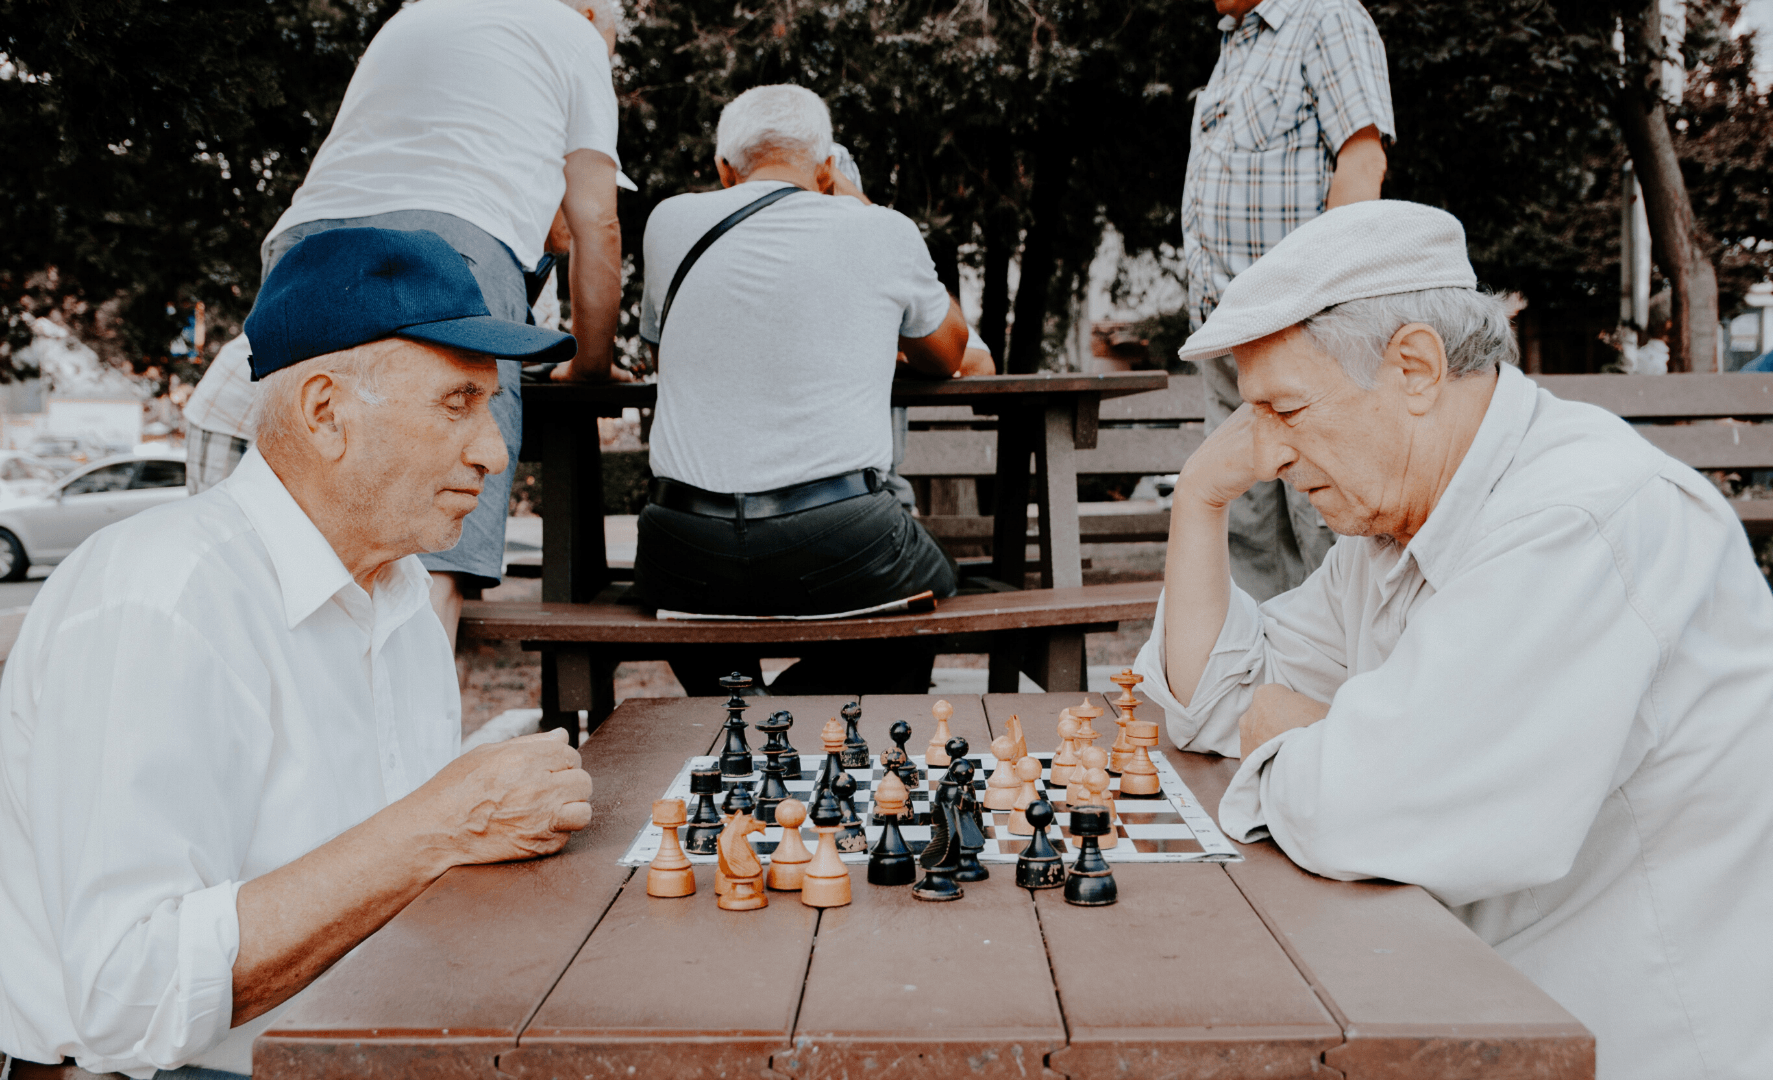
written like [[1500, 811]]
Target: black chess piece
[[891, 861], [1091, 882], [850, 836], [956, 748], [941, 856], [735, 760], [902, 763], [972, 832], [855, 750], [772, 791], [703, 828], [776, 728], [1038, 867], [829, 771], [738, 801]]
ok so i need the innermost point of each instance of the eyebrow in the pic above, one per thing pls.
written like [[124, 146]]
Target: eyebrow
[[466, 389]]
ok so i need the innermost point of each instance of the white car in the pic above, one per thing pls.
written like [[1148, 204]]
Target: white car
[[44, 529]]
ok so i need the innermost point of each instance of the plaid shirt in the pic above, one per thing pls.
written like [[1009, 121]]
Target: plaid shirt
[[1295, 79]]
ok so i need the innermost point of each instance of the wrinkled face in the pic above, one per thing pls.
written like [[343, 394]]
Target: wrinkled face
[[414, 463], [1349, 449]]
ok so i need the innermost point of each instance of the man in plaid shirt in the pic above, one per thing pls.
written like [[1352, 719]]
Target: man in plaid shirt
[[1294, 121]]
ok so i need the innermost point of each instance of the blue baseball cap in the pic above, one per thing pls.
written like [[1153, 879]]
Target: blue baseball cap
[[347, 287]]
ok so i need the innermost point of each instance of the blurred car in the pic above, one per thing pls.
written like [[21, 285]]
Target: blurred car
[[44, 529], [62, 454], [25, 474]]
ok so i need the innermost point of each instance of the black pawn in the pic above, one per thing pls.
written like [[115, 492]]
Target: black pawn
[[972, 835], [1091, 882], [772, 791], [855, 750], [891, 862], [850, 836], [941, 856], [703, 829], [738, 801], [1038, 867], [776, 727], [735, 760], [902, 763]]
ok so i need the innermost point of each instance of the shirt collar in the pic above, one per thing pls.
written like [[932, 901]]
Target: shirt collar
[[1272, 12], [1436, 548], [308, 570]]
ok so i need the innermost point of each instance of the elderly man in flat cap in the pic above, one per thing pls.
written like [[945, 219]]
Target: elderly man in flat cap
[[228, 732], [1535, 673]]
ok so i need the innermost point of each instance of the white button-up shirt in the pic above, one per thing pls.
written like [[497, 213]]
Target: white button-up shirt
[[198, 696], [1554, 711]]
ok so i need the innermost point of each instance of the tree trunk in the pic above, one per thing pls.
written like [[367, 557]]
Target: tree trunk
[[1675, 242], [1052, 175]]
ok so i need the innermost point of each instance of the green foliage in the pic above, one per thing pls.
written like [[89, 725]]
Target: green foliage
[[151, 145]]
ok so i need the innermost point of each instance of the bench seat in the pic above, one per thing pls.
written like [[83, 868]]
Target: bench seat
[[610, 623]]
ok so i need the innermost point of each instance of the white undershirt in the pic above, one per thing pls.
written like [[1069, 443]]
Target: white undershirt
[[1554, 711], [199, 695]]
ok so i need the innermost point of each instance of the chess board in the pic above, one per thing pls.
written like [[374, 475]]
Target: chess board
[[1167, 828]]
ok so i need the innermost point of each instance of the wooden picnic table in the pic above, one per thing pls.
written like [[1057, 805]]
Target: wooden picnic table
[[564, 966], [1050, 416]]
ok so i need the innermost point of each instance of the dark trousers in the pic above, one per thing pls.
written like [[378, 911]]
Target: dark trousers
[[851, 554]]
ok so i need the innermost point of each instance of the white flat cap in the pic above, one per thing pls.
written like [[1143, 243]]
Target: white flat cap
[[1364, 249]]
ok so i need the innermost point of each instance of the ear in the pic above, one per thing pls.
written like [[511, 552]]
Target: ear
[[728, 175], [321, 398], [1417, 360], [822, 175]]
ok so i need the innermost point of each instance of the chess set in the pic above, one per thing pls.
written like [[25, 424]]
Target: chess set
[[1139, 809]]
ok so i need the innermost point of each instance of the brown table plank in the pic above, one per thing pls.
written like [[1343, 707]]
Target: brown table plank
[[628, 624], [1739, 394], [1418, 995], [1180, 978], [902, 988], [674, 987], [446, 986], [879, 711]]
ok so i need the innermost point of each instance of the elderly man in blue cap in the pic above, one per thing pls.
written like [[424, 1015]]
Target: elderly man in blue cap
[[1533, 676], [228, 732]]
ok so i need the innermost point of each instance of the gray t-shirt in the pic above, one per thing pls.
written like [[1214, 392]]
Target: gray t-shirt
[[779, 364]]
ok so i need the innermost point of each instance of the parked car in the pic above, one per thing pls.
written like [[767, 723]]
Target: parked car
[[44, 529], [25, 474]]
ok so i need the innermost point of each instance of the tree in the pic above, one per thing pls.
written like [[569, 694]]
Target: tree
[[150, 146]]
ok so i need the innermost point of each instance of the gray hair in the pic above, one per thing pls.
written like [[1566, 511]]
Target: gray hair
[[277, 413], [1473, 326], [773, 122]]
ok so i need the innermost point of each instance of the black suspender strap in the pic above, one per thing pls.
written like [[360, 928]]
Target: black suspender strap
[[720, 229]]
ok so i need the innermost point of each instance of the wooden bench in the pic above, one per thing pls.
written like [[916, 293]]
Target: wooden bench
[[1041, 423], [1711, 422]]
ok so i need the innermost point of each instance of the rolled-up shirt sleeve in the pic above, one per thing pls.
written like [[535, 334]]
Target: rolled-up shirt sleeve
[[1295, 639], [142, 811], [1472, 760]]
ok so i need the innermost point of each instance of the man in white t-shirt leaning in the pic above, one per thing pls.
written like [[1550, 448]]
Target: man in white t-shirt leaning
[[776, 356], [477, 120]]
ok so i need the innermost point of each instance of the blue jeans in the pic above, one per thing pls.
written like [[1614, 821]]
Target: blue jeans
[[480, 553]]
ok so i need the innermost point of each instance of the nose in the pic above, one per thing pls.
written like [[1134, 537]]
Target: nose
[[1273, 445], [486, 446]]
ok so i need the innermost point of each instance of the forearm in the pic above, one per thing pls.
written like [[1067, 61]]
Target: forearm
[[299, 919], [596, 286], [1197, 590], [1360, 169]]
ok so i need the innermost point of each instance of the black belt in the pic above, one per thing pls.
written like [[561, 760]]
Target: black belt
[[811, 495]]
